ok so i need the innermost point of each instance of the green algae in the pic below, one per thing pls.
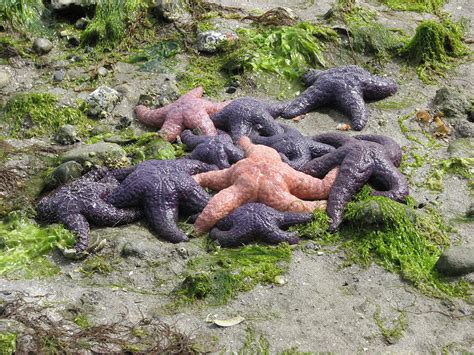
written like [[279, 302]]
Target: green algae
[[82, 321], [113, 21], [39, 114], [24, 244], [434, 47], [22, 15], [394, 332], [462, 167], [223, 273], [414, 5], [96, 264], [7, 343]]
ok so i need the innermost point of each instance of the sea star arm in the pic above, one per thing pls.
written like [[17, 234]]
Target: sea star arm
[[223, 203], [127, 194], [191, 140], [215, 180], [392, 149], [310, 99], [376, 88], [195, 93], [285, 201], [319, 167], [389, 182], [200, 119], [354, 172], [318, 149], [77, 224], [102, 213], [95, 175], [154, 118], [234, 153], [193, 196], [121, 174], [307, 187], [172, 126], [333, 139], [292, 218], [352, 104]]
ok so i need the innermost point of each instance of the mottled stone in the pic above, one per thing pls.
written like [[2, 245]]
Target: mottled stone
[[59, 75], [5, 79], [62, 4], [42, 46], [451, 101], [102, 99], [173, 10], [108, 154], [66, 134], [64, 173], [215, 41]]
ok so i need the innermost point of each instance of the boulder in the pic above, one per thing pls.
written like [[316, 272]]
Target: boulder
[[64, 173], [42, 46], [103, 154], [66, 134], [216, 41], [452, 102], [102, 100], [456, 261], [173, 10]]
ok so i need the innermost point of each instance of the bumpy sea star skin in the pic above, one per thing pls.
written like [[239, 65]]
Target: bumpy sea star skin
[[361, 159], [189, 111], [260, 177], [80, 202], [256, 221], [345, 88], [295, 148], [246, 116], [163, 188], [217, 150]]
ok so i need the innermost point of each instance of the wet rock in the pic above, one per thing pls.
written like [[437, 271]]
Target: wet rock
[[42, 46], [5, 79], [81, 24], [124, 122], [139, 249], [102, 99], [66, 134], [102, 71], [231, 90], [462, 147], [59, 75], [451, 101], [215, 41], [173, 10], [463, 128], [456, 261], [163, 95], [62, 4], [108, 154], [64, 173]]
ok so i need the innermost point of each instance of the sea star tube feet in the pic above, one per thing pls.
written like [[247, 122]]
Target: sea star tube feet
[[361, 159], [344, 88], [256, 221], [261, 177], [189, 111]]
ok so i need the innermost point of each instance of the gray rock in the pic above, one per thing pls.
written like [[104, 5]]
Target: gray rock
[[62, 4], [5, 78], [163, 95], [81, 24], [102, 99], [102, 71], [66, 134], [42, 46], [140, 249], [108, 154], [451, 101], [124, 122], [456, 261], [463, 127], [59, 75], [64, 173], [173, 10], [462, 147], [215, 41]]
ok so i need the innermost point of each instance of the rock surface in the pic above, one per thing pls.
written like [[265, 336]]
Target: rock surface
[[456, 261], [102, 101], [108, 154], [42, 46], [215, 41], [62, 4]]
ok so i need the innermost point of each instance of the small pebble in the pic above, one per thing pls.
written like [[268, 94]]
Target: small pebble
[[59, 75], [231, 90], [102, 71], [42, 46], [81, 24]]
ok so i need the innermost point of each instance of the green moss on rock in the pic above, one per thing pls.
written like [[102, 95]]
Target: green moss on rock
[[434, 46], [414, 5], [22, 15]]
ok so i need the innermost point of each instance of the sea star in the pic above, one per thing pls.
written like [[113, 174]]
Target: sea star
[[361, 159], [296, 149], [217, 150], [256, 221], [189, 111], [345, 88], [163, 188], [260, 177], [82, 201], [246, 116]]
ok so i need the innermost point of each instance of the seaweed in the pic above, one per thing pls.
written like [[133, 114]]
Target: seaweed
[[414, 5], [22, 15], [434, 47]]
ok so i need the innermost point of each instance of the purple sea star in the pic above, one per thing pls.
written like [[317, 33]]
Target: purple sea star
[[345, 88], [296, 149], [246, 116], [82, 201], [217, 150], [361, 159], [163, 188], [256, 221]]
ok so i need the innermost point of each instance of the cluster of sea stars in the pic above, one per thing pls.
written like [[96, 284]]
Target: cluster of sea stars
[[263, 187]]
